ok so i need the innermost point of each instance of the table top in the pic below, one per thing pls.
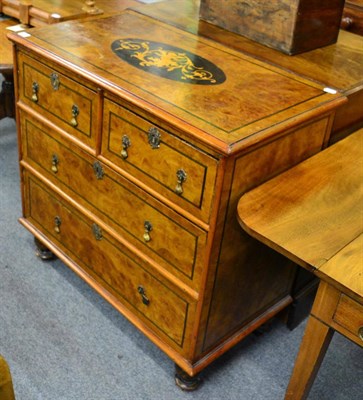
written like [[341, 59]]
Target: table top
[[313, 213], [6, 48], [50, 11], [64, 8], [67, 8], [337, 267]]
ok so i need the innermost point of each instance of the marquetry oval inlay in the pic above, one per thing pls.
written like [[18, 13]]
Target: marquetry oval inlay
[[168, 61]]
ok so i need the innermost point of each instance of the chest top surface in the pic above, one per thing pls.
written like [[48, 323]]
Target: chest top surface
[[207, 88], [338, 65]]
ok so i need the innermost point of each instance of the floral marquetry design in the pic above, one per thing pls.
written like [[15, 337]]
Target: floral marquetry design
[[168, 61]]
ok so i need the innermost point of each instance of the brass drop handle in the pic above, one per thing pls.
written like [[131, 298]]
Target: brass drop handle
[[75, 113], [360, 333], [55, 162], [35, 90], [181, 178], [148, 228], [144, 298], [126, 143], [57, 224]]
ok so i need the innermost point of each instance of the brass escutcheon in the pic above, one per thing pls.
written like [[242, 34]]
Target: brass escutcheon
[[35, 90], [54, 80], [144, 298], [181, 178], [97, 232], [154, 138], [360, 333], [75, 113], [55, 162], [57, 224], [98, 170], [148, 228], [126, 143]]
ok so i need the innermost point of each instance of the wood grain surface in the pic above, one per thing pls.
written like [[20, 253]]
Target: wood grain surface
[[314, 210], [288, 26], [6, 48]]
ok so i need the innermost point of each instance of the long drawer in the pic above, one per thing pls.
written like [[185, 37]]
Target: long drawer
[[65, 102], [177, 170], [174, 242], [160, 306]]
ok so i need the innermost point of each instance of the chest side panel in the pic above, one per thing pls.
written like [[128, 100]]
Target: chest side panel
[[249, 276]]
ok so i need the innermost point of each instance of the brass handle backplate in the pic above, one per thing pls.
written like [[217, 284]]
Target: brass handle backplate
[[98, 170], [75, 113], [154, 137], [181, 178], [148, 228], [55, 162], [57, 224], [144, 298], [35, 90], [126, 143]]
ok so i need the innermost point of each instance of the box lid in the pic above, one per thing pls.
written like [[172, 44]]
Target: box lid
[[212, 93]]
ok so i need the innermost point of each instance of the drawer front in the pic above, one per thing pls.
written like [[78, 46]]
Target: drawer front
[[114, 268], [352, 19], [349, 315], [176, 244], [66, 103], [178, 171]]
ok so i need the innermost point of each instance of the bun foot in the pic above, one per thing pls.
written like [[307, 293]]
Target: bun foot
[[42, 251], [186, 382]]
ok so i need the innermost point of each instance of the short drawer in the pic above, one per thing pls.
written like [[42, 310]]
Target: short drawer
[[115, 269], [177, 170], [174, 242], [349, 315], [68, 104]]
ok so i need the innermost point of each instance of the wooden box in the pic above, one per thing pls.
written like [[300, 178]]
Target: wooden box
[[291, 26], [136, 141]]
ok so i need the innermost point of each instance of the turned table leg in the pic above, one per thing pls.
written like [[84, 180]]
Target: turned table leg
[[91, 8], [42, 251], [185, 381], [313, 347], [7, 98]]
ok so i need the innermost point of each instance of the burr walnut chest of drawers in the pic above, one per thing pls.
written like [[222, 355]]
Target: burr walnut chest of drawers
[[136, 141]]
